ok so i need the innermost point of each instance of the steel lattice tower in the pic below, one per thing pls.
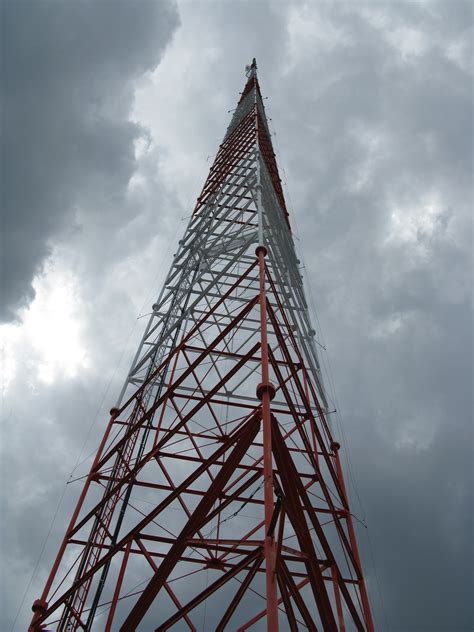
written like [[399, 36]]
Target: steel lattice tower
[[216, 499]]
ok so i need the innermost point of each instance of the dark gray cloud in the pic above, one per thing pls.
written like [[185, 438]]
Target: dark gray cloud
[[372, 106], [68, 82], [387, 243]]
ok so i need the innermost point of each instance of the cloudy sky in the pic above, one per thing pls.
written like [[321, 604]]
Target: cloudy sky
[[112, 114]]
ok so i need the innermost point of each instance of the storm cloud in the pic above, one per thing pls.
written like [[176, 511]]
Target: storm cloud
[[113, 117], [68, 83]]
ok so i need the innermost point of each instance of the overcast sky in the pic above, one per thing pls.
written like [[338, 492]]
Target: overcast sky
[[112, 114]]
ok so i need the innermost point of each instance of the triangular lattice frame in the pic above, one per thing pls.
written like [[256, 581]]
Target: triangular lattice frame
[[218, 481]]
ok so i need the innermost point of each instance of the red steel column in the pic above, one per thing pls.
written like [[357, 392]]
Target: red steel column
[[350, 526], [41, 605], [337, 596], [118, 587], [266, 392]]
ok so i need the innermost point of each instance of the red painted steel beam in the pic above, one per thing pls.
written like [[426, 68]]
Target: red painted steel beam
[[118, 586], [239, 594], [169, 562], [266, 391], [363, 589], [191, 333], [287, 578], [292, 482], [248, 624], [202, 596], [231, 441], [138, 424], [292, 490], [152, 454], [167, 587], [287, 603], [39, 612]]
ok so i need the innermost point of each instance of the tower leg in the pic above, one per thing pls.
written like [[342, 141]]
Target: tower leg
[[350, 526], [265, 392]]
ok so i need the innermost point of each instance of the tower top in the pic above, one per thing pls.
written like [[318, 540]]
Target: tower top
[[251, 69], [250, 114]]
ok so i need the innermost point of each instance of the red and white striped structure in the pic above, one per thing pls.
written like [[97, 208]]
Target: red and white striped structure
[[216, 499]]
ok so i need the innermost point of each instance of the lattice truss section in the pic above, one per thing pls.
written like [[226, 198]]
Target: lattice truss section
[[216, 499]]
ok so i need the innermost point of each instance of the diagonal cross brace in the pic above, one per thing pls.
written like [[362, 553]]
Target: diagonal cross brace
[[252, 422], [290, 481], [194, 523], [289, 478], [254, 556]]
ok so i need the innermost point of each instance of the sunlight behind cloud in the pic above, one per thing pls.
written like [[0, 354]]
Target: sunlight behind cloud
[[8, 338], [54, 326], [412, 223], [51, 331]]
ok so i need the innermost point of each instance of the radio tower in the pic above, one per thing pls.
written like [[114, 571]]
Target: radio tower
[[216, 499]]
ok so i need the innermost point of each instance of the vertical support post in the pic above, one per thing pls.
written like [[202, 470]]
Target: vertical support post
[[118, 586], [337, 596], [350, 526], [266, 392], [43, 601]]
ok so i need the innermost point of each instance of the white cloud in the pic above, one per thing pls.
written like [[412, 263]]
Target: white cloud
[[460, 52], [49, 343], [417, 222], [409, 42]]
